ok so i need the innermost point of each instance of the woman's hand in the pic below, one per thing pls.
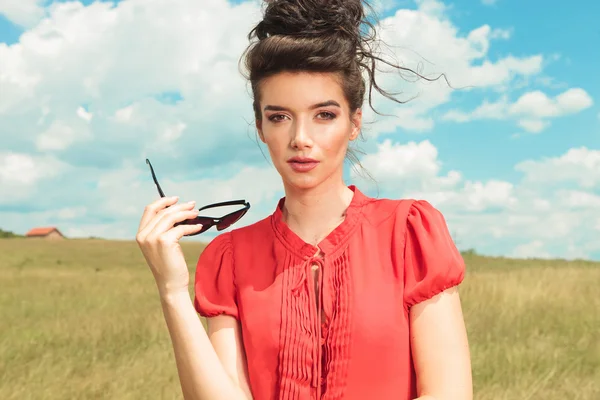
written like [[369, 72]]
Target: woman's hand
[[158, 238]]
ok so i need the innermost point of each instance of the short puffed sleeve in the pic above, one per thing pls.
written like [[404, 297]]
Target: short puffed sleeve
[[214, 286], [432, 262]]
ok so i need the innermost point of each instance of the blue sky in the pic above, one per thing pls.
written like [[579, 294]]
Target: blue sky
[[89, 90]]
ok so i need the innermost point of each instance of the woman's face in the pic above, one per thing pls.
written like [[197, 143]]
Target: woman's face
[[306, 124]]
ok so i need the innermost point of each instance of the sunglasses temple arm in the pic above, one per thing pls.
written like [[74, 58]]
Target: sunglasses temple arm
[[226, 203], [154, 178], [160, 190]]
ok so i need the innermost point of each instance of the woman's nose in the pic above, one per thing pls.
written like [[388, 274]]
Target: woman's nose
[[300, 135]]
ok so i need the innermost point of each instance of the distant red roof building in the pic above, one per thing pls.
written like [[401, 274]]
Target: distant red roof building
[[49, 232]]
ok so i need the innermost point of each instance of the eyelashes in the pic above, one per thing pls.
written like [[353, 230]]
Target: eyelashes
[[276, 118], [330, 115]]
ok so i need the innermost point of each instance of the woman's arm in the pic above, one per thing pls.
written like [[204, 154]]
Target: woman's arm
[[207, 371], [440, 348], [204, 368]]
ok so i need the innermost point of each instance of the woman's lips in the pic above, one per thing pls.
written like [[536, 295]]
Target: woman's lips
[[303, 166]]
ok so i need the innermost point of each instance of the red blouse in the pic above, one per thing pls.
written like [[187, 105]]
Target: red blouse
[[343, 332]]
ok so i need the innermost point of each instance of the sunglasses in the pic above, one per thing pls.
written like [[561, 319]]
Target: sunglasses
[[208, 222]]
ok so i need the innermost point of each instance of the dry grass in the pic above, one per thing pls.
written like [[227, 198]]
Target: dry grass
[[80, 319]]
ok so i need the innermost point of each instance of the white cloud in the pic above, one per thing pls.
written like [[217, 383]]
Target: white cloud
[[575, 199], [84, 114], [414, 170], [22, 12], [580, 165], [533, 125], [469, 196], [60, 135], [537, 104], [78, 56], [573, 101], [431, 7], [532, 110], [456, 116], [413, 165], [20, 174], [501, 72], [173, 132], [489, 2], [487, 110], [24, 169], [489, 194], [124, 114]]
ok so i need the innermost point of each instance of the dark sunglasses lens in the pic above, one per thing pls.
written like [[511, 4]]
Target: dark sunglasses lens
[[207, 223], [231, 219]]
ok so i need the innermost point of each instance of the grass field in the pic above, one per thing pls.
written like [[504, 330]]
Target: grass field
[[80, 319]]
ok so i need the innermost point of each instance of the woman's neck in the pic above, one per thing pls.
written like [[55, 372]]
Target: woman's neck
[[313, 214]]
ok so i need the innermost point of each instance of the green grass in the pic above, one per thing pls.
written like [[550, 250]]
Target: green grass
[[80, 319]]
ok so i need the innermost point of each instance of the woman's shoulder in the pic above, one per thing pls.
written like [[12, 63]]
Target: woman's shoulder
[[256, 228], [383, 208], [402, 213], [251, 235]]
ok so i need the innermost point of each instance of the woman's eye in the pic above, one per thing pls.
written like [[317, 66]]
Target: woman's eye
[[327, 115], [276, 118]]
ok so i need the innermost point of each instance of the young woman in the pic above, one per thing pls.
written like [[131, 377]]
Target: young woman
[[336, 295]]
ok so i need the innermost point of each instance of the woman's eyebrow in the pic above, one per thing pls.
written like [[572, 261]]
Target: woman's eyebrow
[[318, 105]]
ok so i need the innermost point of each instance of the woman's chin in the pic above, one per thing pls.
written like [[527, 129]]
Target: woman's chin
[[303, 182]]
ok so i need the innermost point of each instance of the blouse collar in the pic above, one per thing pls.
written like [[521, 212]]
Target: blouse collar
[[333, 241]]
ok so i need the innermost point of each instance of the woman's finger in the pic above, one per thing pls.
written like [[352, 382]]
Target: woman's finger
[[181, 230], [153, 208], [166, 211], [168, 221]]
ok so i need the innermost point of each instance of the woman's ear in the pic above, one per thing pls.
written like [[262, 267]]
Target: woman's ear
[[357, 124], [258, 124]]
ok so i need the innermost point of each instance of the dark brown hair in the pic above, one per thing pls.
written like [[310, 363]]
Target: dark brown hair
[[318, 36]]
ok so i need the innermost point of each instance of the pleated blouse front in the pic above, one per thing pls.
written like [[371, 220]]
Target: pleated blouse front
[[342, 333]]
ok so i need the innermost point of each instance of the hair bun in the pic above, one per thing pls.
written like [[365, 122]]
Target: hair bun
[[309, 18]]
